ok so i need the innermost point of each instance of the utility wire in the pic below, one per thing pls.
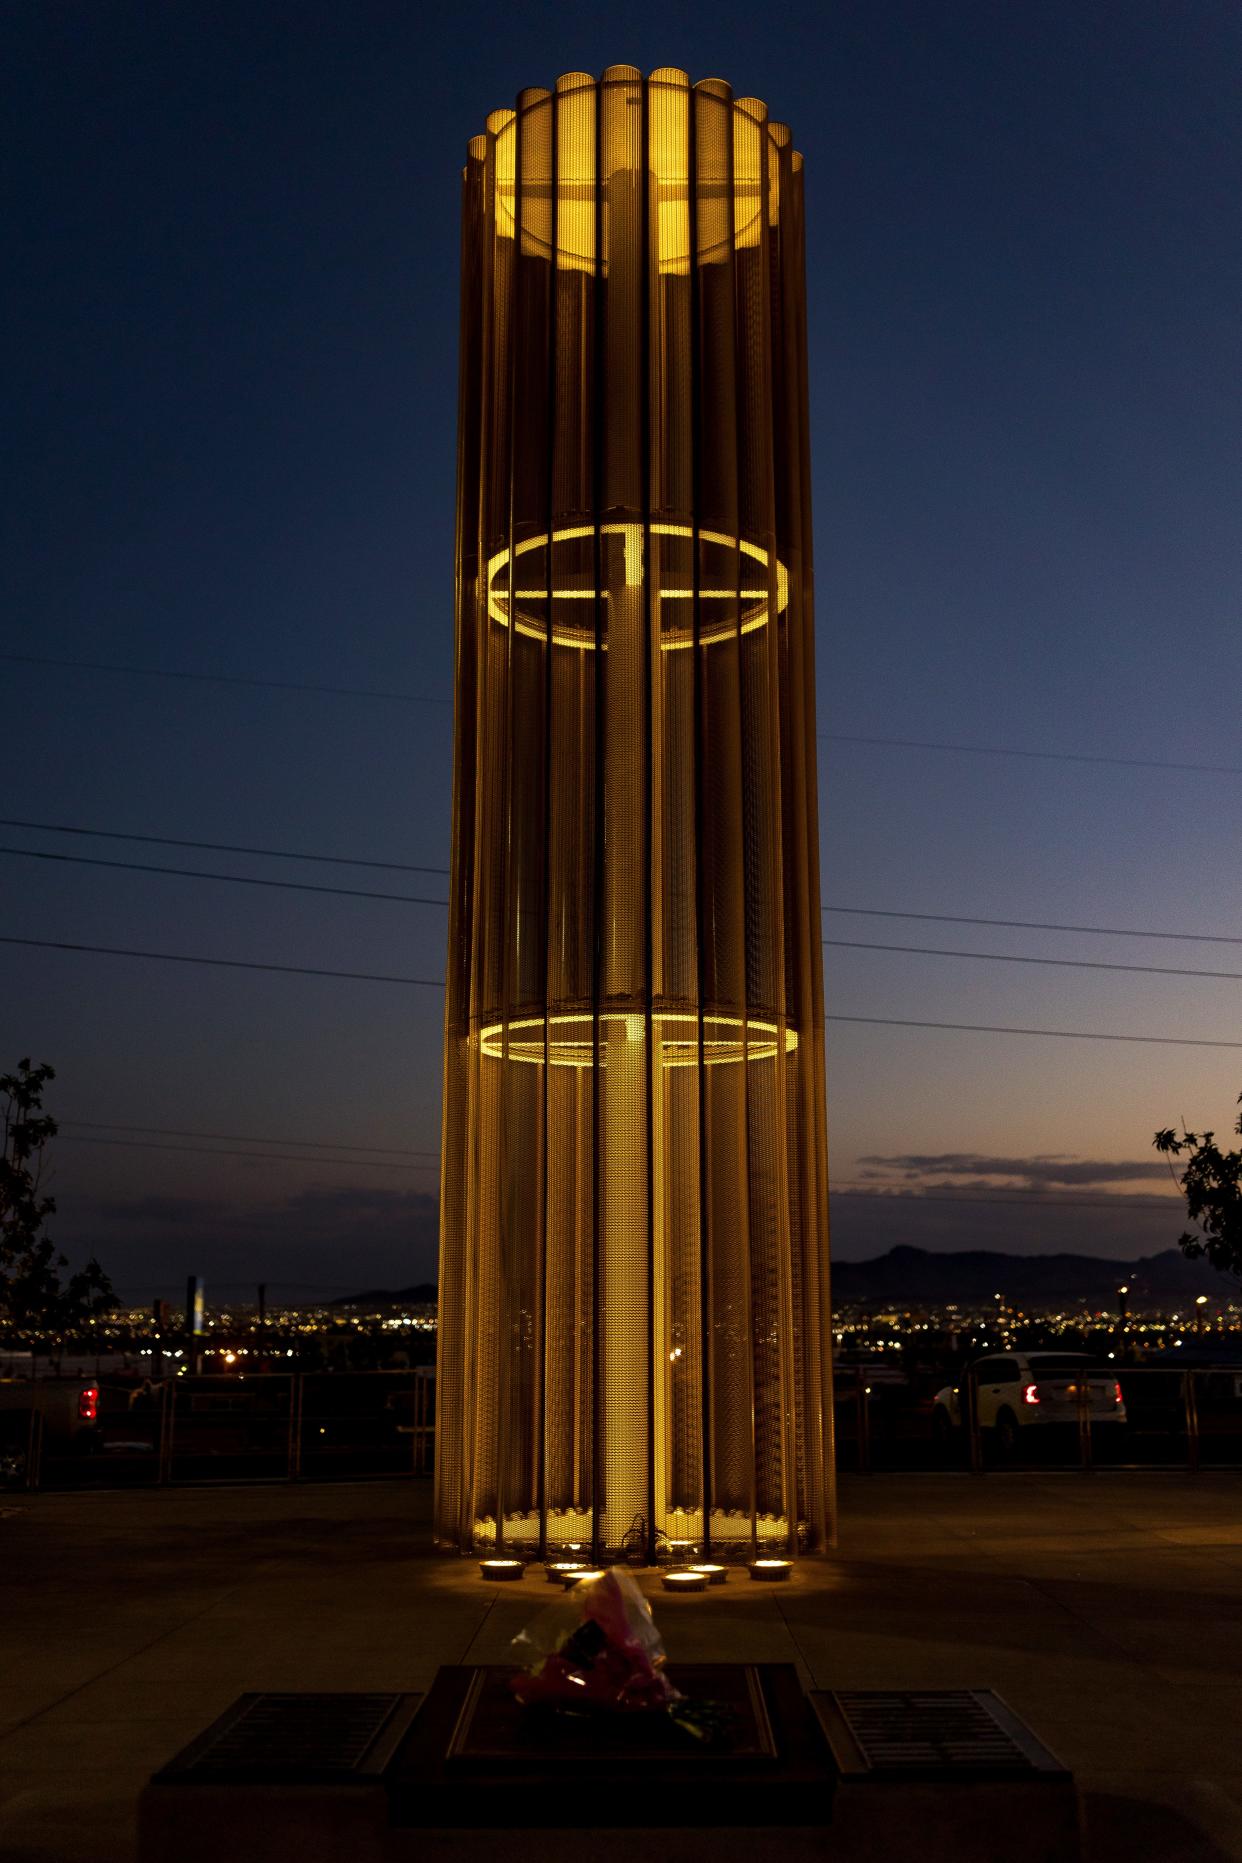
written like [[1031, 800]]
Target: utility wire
[[241, 1138], [993, 1028], [224, 963], [1004, 957], [394, 866], [259, 1157], [835, 737], [1095, 931], [842, 944], [219, 847], [428, 983], [230, 879]]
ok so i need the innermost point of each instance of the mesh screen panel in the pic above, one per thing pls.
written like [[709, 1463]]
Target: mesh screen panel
[[634, 1337]]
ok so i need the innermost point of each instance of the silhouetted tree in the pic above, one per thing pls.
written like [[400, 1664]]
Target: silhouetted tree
[[1212, 1186], [34, 1295]]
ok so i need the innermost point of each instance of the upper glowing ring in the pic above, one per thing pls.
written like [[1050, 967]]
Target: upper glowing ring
[[726, 1039], [756, 603]]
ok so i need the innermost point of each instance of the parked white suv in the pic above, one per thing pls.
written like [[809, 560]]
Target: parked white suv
[[1026, 1390]]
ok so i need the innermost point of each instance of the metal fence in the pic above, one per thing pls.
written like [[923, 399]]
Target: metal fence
[[264, 1426], [1173, 1417], [307, 1426]]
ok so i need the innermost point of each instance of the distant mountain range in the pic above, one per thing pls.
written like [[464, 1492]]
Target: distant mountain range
[[976, 1274], [423, 1295], [905, 1274]]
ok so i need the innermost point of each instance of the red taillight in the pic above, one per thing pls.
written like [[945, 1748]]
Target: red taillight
[[1031, 1394], [88, 1404], [1117, 1397]]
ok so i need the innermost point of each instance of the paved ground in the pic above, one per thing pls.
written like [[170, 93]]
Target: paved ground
[[1106, 1608]]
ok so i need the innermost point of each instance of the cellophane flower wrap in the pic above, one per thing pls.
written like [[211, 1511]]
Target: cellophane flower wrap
[[597, 1649]]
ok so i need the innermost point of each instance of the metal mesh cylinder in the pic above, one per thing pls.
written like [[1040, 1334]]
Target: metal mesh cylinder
[[634, 1340]]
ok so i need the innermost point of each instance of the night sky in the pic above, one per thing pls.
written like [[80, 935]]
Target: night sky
[[230, 331]]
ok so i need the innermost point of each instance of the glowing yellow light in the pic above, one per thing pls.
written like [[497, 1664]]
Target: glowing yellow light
[[685, 1581], [726, 1039], [755, 602], [771, 1569], [726, 203], [501, 1570], [559, 1571], [587, 1577]]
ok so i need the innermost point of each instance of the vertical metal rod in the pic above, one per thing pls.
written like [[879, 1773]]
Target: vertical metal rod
[[1190, 1398], [34, 1445], [296, 1381], [974, 1435], [863, 1423], [161, 1454], [1084, 1424], [651, 671], [597, 874], [169, 1435]]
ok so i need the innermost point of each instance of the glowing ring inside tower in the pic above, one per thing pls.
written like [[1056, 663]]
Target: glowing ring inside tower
[[754, 604], [727, 1040]]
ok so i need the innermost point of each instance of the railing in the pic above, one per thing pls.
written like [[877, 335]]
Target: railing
[[1174, 1417], [265, 1426], [307, 1426]]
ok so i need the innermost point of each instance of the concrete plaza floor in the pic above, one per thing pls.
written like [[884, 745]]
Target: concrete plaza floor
[[1106, 1608]]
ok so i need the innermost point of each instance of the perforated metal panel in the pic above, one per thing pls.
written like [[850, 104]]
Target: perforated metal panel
[[633, 1282], [328, 1737], [938, 1733]]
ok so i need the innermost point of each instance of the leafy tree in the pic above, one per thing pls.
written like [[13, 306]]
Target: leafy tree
[[1212, 1185], [34, 1295]]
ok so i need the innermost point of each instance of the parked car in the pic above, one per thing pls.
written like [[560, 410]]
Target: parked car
[[69, 1409], [1018, 1391]]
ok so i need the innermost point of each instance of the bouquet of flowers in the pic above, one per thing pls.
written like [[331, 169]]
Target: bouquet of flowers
[[598, 1649]]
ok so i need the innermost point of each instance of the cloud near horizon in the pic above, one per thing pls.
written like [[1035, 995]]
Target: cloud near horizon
[[1041, 1173]]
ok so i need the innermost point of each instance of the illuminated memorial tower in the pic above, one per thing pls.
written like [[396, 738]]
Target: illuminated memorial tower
[[634, 1342]]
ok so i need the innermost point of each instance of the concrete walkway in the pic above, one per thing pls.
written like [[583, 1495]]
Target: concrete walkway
[[1107, 1609]]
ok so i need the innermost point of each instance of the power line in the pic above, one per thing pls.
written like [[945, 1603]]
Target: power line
[[1096, 931], [428, 983], [394, 866], [1059, 963], [219, 847], [242, 1138], [834, 737], [992, 1028], [846, 944], [222, 679], [230, 879], [262, 1157], [224, 963]]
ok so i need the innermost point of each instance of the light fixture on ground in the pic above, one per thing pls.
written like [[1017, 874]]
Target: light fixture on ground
[[633, 1338], [581, 1577], [685, 1581], [500, 1571], [770, 1571], [714, 1574], [560, 1570]]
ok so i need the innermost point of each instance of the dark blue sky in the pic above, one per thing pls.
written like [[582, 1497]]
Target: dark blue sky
[[231, 333]]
